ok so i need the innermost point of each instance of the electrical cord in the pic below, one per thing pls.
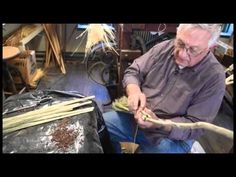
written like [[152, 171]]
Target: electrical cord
[[135, 137], [105, 61], [90, 69]]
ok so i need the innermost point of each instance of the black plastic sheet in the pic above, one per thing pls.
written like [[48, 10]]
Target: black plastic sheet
[[84, 133]]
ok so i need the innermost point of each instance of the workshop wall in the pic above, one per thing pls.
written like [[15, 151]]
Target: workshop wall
[[9, 28]]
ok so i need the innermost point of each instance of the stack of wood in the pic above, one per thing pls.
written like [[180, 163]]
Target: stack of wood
[[53, 49]]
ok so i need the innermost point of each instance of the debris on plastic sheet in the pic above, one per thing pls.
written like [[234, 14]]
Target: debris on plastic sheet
[[66, 135], [74, 134]]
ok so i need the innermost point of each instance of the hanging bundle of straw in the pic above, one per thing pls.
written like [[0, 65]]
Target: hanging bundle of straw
[[97, 33], [122, 105]]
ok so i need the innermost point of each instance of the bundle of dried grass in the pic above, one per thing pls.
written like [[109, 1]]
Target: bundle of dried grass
[[97, 33], [26, 30], [39, 74], [23, 31], [121, 104], [24, 53]]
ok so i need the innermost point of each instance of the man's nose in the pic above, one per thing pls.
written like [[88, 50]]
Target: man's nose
[[183, 54]]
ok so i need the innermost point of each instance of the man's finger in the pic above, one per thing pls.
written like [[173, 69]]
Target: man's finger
[[152, 114], [142, 101], [131, 104], [148, 111], [134, 104], [143, 124], [136, 116]]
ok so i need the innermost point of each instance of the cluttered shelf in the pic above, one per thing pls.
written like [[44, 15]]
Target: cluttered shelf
[[23, 35], [25, 62], [225, 55]]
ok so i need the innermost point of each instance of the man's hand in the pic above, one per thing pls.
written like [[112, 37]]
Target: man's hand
[[136, 99], [136, 102], [145, 124]]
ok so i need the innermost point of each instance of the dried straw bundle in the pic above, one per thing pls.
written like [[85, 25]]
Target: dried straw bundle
[[98, 33], [26, 30], [39, 74], [15, 38]]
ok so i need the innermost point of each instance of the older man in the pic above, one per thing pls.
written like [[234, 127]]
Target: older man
[[178, 80]]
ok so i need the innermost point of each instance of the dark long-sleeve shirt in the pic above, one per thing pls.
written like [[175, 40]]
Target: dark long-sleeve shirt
[[190, 94]]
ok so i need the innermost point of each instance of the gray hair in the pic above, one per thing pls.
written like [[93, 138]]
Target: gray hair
[[213, 29]]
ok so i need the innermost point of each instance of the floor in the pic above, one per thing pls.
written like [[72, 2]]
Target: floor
[[76, 79]]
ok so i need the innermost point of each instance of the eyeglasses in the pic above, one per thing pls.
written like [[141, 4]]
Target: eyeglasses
[[190, 50]]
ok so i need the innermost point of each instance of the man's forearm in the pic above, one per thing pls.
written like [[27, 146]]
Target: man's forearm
[[132, 89]]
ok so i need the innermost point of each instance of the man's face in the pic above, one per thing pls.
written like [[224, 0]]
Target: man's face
[[191, 46]]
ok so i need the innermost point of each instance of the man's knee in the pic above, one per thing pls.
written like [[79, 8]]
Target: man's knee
[[116, 117], [175, 146], [110, 117]]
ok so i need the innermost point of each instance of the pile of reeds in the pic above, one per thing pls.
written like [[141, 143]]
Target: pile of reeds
[[53, 47], [47, 114], [121, 104]]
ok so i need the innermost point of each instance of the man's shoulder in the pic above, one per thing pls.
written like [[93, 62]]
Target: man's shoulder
[[210, 69], [165, 43], [215, 65], [164, 47], [213, 71]]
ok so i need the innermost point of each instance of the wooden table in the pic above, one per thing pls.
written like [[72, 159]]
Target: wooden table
[[9, 52]]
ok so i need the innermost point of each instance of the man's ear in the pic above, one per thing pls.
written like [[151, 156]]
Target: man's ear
[[213, 47]]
